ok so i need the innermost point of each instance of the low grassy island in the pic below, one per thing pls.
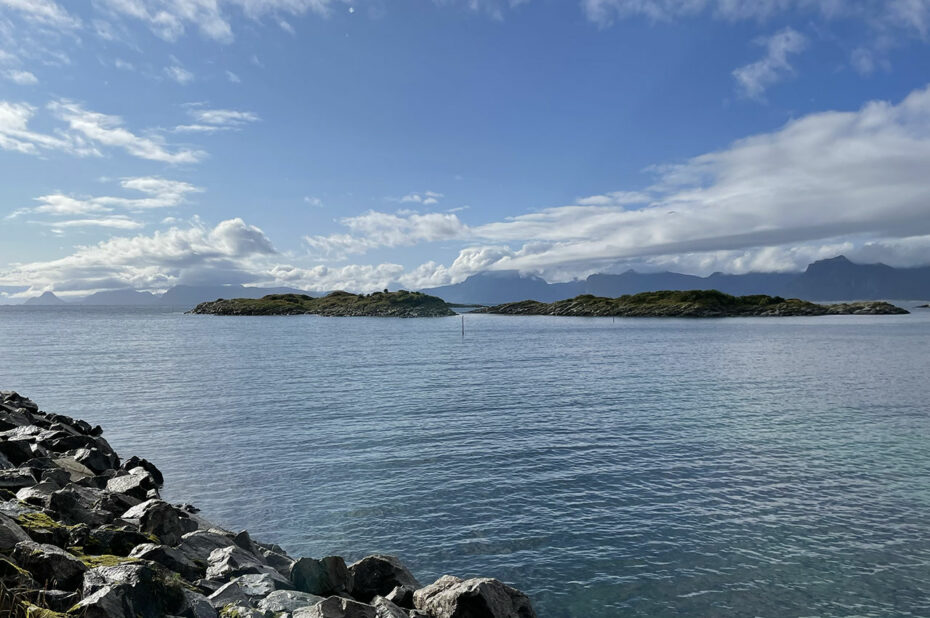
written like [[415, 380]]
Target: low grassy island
[[402, 304], [689, 304]]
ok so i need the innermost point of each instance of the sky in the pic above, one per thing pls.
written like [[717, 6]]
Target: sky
[[362, 144]]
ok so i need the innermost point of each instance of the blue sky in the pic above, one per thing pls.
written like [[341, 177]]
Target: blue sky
[[329, 144]]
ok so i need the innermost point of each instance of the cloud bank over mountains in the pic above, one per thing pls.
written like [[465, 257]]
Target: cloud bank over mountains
[[851, 182]]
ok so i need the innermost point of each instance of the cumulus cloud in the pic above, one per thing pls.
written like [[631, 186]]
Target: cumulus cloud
[[375, 229], [753, 79], [827, 181], [43, 12], [150, 261]]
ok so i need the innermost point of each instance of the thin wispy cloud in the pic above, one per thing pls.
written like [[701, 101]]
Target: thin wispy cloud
[[212, 120], [179, 74], [23, 78], [755, 78]]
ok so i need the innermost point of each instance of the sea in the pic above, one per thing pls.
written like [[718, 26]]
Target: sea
[[606, 467]]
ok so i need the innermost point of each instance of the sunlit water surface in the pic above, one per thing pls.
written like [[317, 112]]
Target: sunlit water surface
[[642, 467]]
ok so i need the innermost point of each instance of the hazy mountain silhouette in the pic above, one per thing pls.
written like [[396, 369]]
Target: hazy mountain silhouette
[[832, 279], [45, 299]]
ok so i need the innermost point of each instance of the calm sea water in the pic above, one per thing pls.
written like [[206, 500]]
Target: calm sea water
[[741, 467]]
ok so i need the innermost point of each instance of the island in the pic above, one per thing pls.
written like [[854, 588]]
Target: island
[[689, 304], [401, 304], [85, 533]]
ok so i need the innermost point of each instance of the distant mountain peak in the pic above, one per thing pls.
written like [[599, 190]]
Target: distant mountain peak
[[45, 298]]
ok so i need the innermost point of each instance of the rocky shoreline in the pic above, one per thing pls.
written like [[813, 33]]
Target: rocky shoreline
[[402, 304], [84, 533], [689, 304]]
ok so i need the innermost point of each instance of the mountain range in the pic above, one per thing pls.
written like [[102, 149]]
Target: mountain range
[[831, 279]]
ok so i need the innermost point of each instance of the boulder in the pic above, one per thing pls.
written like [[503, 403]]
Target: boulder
[[138, 462], [136, 484], [241, 611], [38, 494], [324, 577], [402, 596], [170, 558], [248, 588], [199, 544], [49, 565], [97, 459], [287, 601], [197, 606], [166, 522], [231, 561], [114, 540], [10, 533], [280, 562], [336, 607], [77, 505], [132, 590], [17, 451], [73, 467], [16, 478], [453, 597], [387, 609], [378, 575]]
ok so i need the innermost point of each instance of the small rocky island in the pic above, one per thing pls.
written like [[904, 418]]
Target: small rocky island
[[689, 304], [402, 304], [85, 534]]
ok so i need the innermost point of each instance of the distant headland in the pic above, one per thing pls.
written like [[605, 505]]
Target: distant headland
[[402, 304], [689, 304]]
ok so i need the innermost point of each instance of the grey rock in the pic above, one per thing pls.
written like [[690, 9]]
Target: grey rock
[[170, 558], [379, 575], [336, 607], [76, 505], [166, 522], [73, 467], [50, 565], [324, 577], [387, 609], [15, 479], [242, 611], [199, 544], [287, 601], [38, 494], [231, 561], [402, 596], [96, 459], [115, 540], [10, 533], [56, 475], [136, 483], [280, 562], [453, 597], [197, 606], [137, 462], [135, 590], [248, 588]]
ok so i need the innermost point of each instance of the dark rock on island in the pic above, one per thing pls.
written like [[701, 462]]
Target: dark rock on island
[[97, 541], [402, 304], [689, 304]]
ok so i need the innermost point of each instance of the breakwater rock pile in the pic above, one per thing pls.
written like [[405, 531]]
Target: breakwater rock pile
[[402, 304], [84, 533], [690, 304]]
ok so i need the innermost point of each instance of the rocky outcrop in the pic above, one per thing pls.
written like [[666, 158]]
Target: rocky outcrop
[[402, 304], [689, 304], [84, 534]]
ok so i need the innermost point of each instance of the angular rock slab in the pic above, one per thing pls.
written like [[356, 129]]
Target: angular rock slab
[[288, 601], [336, 607], [379, 575], [453, 597], [158, 517], [324, 577], [135, 590], [50, 565]]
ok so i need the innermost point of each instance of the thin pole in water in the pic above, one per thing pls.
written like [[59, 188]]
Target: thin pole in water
[[463, 325]]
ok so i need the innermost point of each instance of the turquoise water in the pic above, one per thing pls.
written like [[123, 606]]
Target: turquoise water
[[741, 467]]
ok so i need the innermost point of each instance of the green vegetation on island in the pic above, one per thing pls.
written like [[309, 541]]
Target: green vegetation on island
[[689, 304], [402, 304]]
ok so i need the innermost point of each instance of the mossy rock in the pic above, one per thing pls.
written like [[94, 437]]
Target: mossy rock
[[37, 521]]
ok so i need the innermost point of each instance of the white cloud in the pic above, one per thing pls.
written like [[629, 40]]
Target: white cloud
[[179, 74], [233, 78], [375, 229], [313, 201], [44, 12], [427, 198], [753, 79], [213, 120], [16, 135], [123, 65], [24, 78], [119, 222], [230, 249], [107, 130]]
